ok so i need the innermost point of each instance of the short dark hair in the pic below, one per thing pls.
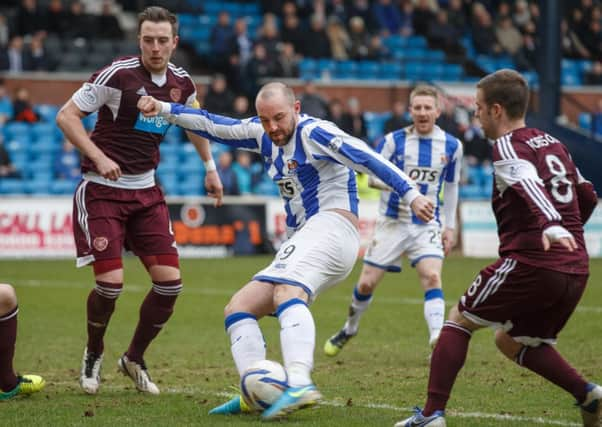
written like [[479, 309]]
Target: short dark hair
[[158, 14], [507, 88]]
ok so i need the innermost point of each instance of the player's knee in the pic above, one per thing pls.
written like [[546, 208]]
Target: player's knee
[[431, 280], [506, 345], [8, 298], [455, 315], [109, 270], [168, 260], [366, 286]]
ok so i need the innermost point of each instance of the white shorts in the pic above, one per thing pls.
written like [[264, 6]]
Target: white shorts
[[393, 238], [318, 256]]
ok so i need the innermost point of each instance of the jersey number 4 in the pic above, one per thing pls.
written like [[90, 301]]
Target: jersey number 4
[[562, 187]]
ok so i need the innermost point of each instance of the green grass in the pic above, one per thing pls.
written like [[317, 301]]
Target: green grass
[[374, 382]]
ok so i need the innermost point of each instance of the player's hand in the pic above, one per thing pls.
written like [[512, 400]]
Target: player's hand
[[214, 187], [558, 234], [423, 208], [149, 106], [447, 238], [107, 168]]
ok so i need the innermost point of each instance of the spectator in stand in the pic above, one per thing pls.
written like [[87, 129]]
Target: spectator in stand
[[360, 38], [362, 9], [270, 38], [219, 40], [592, 38], [317, 44], [312, 103], [226, 173], [218, 97], [260, 66], [340, 43], [240, 107], [377, 51], [388, 17], [6, 104], [336, 112], [108, 24], [521, 15], [354, 123], [37, 58], [67, 163], [511, 42], [477, 149], [81, 24], [22, 108], [4, 31], [337, 9], [399, 117], [288, 61], [406, 28], [456, 16], [483, 33], [442, 35], [58, 21], [594, 75], [424, 14], [7, 169], [30, 18], [240, 43], [292, 32], [14, 58], [247, 172], [447, 120]]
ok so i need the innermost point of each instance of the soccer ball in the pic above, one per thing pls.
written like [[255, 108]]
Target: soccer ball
[[263, 383]]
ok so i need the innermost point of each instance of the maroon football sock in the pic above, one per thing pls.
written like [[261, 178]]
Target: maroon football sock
[[8, 337], [155, 311], [100, 307], [548, 363], [446, 361]]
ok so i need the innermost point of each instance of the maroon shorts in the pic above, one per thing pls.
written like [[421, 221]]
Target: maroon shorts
[[530, 303], [106, 220]]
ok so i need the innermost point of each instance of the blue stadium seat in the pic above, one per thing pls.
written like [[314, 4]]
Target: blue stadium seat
[[391, 70], [308, 69], [345, 70], [46, 112], [17, 130], [12, 186], [326, 67], [37, 186], [471, 192], [45, 131], [174, 135], [416, 41], [570, 77], [414, 70], [90, 121], [169, 182], [63, 186], [191, 186], [452, 72], [368, 70], [434, 55], [375, 124], [395, 43]]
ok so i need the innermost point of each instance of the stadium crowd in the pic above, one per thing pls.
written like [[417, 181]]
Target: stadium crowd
[[245, 42]]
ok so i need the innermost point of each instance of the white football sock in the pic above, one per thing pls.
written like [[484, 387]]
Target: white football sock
[[359, 304], [297, 339], [247, 344], [434, 312]]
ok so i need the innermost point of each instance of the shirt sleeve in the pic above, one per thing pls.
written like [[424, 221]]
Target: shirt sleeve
[[226, 130], [90, 97], [514, 166], [357, 155]]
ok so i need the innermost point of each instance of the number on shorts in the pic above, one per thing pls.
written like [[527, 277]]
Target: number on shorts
[[435, 236], [475, 285], [558, 169], [287, 252]]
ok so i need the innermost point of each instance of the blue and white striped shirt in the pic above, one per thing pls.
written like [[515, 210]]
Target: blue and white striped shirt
[[428, 160], [313, 170]]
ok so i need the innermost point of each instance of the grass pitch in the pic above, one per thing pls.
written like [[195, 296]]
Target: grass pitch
[[375, 381]]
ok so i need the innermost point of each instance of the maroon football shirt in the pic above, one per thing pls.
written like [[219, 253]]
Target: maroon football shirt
[[122, 132], [534, 188]]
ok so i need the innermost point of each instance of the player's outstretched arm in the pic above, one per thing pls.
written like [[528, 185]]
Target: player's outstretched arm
[[213, 183]]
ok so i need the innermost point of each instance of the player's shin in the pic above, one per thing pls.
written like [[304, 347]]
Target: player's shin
[[359, 304], [155, 311], [247, 343], [297, 339], [446, 362], [8, 332], [434, 312], [100, 307]]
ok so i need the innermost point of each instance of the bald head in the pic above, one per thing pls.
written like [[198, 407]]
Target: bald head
[[276, 90]]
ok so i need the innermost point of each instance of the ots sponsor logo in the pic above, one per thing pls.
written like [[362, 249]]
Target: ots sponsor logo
[[542, 141], [424, 175], [100, 243]]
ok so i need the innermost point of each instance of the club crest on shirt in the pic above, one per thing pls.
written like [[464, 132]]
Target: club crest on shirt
[[175, 94], [335, 144], [292, 164], [444, 160], [100, 243]]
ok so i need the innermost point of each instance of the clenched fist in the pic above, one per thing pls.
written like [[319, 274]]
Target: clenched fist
[[149, 106]]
